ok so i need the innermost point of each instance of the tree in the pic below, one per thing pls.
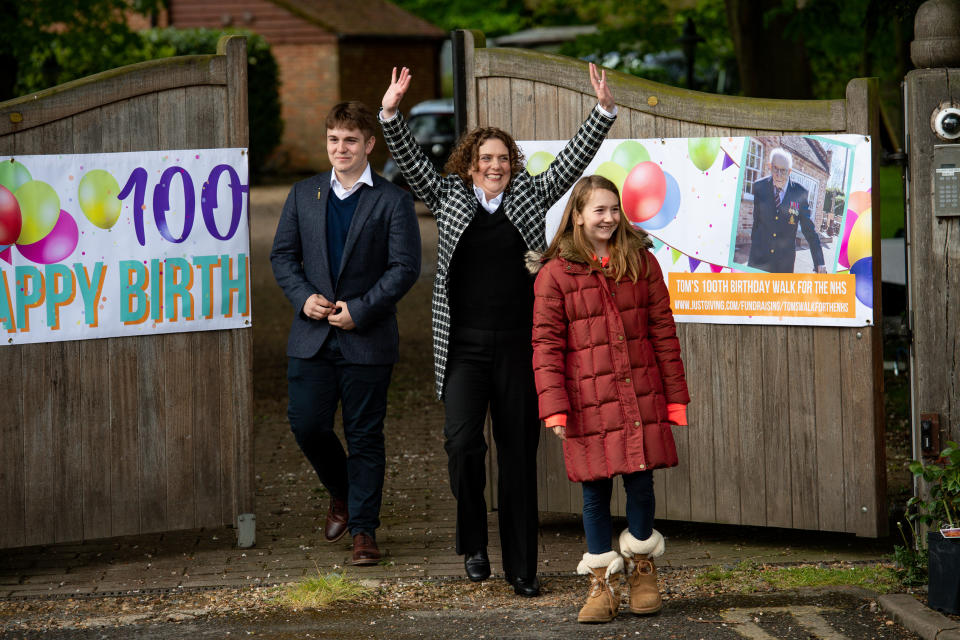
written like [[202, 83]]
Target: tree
[[46, 42]]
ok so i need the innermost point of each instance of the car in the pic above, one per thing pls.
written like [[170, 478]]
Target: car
[[432, 124]]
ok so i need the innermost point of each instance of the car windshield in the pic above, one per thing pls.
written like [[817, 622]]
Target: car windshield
[[431, 125]]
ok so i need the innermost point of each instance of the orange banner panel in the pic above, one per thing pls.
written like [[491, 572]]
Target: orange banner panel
[[752, 294]]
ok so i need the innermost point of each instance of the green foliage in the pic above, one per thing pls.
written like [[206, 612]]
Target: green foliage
[[47, 42], [892, 217], [912, 558], [493, 18], [263, 80], [943, 484]]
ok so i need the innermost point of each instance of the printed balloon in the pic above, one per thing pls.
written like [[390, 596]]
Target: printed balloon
[[39, 209], [643, 192], [614, 173], [97, 195], [10, 221], [703, 151], [56, 245], [847, 228], [629, 154], [860, 201], [859, 245], [862, 271], [668, 211], [13, 175], [539, 162]]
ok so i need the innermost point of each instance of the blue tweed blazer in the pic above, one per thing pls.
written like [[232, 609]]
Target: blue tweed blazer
[[381, 261]]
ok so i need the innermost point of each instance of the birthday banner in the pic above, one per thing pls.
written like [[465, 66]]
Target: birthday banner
[[748, 230], [123, 244]]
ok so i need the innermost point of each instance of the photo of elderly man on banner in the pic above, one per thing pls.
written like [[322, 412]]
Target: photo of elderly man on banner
[[748, 230]]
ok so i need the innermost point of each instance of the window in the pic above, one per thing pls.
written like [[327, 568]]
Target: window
[[752, 166]]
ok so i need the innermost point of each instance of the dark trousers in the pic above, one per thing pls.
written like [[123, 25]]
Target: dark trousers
[[641, 505], [316, 385], [494, 369]]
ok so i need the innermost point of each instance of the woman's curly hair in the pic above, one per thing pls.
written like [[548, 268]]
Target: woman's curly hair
[[466, 155]]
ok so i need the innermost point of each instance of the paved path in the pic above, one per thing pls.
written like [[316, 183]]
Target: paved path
[[418, 511]]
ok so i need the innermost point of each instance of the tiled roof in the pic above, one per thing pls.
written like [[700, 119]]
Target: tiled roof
[[361, 18]]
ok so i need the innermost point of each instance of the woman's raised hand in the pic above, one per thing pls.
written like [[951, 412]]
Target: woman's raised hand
[[395, 92], [599, 81]]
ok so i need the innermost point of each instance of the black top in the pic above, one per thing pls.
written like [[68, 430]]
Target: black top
[[489, 285]]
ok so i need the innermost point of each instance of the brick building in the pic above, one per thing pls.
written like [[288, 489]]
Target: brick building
[[327, 51]]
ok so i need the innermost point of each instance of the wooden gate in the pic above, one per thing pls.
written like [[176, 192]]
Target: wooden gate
[[109, 437], [786, 422]]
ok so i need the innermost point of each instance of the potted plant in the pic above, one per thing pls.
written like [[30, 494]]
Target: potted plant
[[939, 511]]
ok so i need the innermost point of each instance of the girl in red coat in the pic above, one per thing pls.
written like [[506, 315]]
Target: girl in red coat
[[610, 383]]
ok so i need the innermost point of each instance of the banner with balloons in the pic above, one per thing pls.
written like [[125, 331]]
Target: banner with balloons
[[695, 198], [122, 244]]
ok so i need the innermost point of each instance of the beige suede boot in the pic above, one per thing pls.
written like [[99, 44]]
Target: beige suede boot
[[603, 600], [641, 572]]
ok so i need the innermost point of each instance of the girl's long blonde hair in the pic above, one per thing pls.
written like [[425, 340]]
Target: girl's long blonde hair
[[626, 258]]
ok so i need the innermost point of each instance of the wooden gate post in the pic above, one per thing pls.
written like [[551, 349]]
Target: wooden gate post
[[932, 104]]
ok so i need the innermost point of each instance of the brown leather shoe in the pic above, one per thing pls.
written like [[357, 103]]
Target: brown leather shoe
[[365, 550], [336, 524]]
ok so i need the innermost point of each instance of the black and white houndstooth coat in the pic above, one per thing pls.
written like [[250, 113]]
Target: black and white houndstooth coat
[[454, 204]]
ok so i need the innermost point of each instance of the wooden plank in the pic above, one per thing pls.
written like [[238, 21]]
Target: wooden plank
[[829, 429], [40, 439], [669, 102], [236, 119], [858, 438], [802, 398], [151, 436], [64, 399], [546, 107], [240, 394], [499, 104], [703, 427], [483, 110], [12, 452], [180, 424], [569, 112], [206, 452], [524, 125], [751, 475], [863, 116], [113, 86], [726, 423], [123, 457], [95, 383], [777, 446]]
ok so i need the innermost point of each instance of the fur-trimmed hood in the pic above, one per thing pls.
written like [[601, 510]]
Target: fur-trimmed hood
[[534, 259]]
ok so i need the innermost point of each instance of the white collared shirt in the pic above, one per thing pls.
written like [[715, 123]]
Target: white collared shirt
[[341, 193], [490, 205]]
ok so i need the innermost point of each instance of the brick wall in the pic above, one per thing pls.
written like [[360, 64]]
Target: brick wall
[[309, 87], [365, 74]]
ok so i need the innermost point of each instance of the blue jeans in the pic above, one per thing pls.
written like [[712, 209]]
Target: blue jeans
[[641, 505], [316, 385]]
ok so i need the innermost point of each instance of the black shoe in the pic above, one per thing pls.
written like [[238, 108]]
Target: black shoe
[[477, 565], [527, 587]]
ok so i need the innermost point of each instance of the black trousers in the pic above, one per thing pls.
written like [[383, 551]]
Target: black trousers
[[494, 369], [316, 385]]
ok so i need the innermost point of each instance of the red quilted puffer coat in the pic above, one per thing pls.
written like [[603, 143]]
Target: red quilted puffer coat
[[606, 353]]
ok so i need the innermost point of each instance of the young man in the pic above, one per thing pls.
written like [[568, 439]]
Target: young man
[[346, 250]]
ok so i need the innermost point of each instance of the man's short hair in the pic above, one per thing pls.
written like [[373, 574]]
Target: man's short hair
[[352, 115], [782, 153]]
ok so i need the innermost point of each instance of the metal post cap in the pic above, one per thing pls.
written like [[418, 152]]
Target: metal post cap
[[936, 35]]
